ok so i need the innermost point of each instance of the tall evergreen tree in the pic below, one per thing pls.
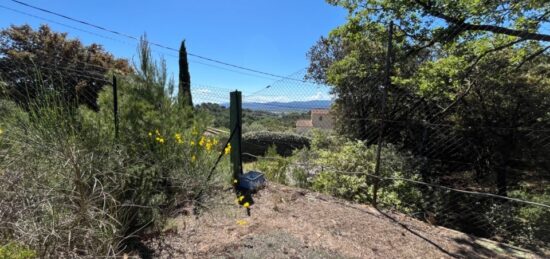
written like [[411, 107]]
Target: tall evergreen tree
[[184, 90]]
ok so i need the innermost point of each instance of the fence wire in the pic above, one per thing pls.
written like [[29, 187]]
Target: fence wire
[[457, 175]]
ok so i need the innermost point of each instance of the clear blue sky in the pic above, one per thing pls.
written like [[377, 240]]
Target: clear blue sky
[[271, 36]]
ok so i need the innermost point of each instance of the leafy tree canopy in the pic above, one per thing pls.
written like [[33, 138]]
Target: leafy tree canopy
[[34, 61], [481, 66]]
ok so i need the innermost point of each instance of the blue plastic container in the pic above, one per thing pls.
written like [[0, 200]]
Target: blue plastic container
[[251, 181]]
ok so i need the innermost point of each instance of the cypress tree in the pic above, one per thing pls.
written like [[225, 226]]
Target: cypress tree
[[184, 89]]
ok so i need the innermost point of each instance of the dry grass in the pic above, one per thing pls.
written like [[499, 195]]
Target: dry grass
[[293, 223]]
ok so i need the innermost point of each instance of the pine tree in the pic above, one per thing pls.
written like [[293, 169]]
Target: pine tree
[[184, 90]]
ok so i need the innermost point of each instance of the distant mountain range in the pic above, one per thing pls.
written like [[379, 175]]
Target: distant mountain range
[[286, 106]]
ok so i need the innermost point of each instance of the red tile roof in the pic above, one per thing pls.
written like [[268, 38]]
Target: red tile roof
[[320, 111]]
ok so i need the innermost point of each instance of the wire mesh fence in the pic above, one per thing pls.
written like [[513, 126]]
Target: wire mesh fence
[[485, 178], [442, 162], [452, 176]]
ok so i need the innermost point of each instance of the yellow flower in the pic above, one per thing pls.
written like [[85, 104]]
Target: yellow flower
[[150, 134], [157, 132], [241, 198], [235, 181], [228, 149], [208, 146], [215, 141], [159, 140], [192, 143], [202, 141], [178, 138], [246, 205], [193, 158], [241, 222]]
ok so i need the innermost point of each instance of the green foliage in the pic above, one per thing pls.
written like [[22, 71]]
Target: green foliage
[[15, 251], [349, 187], [252, 120], [346, 173], [489, 83], [422, 19], [282, 170], [323, 140], [34, 61], [275, 167], [219, 114], [184, 89], [92, 190], [299, 177], [534, 219], [257, 143], [471, 79]]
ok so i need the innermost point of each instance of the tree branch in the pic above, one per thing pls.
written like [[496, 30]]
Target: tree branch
[[532, 56], [469, 70], [428, 8]]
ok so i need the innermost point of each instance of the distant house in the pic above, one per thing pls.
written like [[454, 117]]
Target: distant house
[[320, 119]]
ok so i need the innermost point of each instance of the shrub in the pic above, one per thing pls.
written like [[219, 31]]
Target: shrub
[[349, 187], [299, 177], [345, 170], [282, 170], [69, 188], [274, 167], [257, 143], [530, 222], [322, 139]]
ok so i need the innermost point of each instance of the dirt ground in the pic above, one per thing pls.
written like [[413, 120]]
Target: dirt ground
[[294, 223]]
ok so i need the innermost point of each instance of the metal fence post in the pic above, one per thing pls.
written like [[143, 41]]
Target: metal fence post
[[115, 105], [383, 114], [235, 124]]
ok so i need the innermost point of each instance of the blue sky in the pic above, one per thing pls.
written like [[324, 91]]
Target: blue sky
[[271, 36]]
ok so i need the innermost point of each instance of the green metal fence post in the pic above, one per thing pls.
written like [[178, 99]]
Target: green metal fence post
[[235, 124]]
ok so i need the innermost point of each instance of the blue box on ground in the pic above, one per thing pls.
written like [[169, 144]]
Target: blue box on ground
[[251, 181]]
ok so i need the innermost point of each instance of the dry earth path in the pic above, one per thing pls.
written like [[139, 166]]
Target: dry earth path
[[294, 223]]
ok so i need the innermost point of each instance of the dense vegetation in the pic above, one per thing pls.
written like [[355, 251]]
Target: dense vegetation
[[489, 84], [29, 58], [70, 187], [467, 99], [253, 120], [345, 168], [257, 143], [466, 106]]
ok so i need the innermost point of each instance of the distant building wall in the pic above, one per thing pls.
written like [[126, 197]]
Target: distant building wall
[[320, 119]]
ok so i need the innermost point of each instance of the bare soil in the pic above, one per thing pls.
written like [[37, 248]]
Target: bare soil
[[287, 222]]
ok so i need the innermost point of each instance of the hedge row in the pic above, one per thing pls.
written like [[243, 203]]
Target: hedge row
[[257, 143]]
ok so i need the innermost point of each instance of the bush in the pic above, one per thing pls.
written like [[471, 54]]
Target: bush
[[345, 170], [349, 187], [274, 167], [69, 188], [282, 170], [324, 140], [257, 143], [531, 223]]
